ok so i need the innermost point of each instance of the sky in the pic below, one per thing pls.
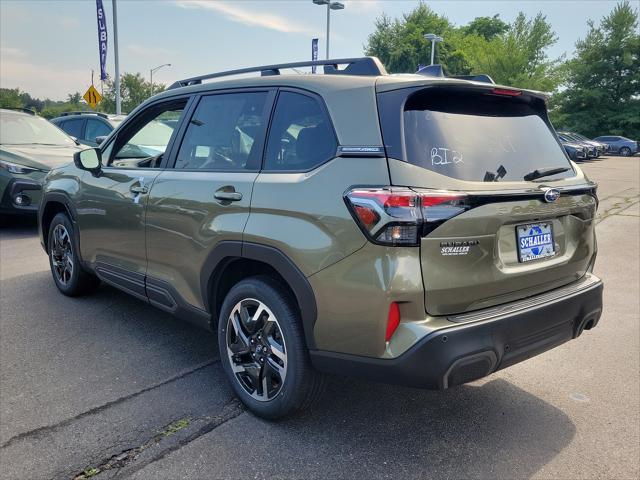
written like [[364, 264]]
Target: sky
[[48, 48]]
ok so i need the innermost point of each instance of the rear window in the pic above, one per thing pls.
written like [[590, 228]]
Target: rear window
[[475, 136]]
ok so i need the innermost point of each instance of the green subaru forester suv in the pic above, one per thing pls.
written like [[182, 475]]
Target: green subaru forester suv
[[415, 229]]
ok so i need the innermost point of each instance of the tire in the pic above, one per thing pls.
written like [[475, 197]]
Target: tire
[[625, 151], [69, 276], [269, 350]]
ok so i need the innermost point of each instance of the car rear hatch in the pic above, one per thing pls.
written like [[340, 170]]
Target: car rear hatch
[[505, 214]]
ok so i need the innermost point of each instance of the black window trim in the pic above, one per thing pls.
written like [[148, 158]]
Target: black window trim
[[133, 120], [262, 137], [325, 111]]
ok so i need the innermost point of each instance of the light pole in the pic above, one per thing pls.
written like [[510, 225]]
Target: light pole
[[330, 6], [116, 58], [155, 70], [434, 39]]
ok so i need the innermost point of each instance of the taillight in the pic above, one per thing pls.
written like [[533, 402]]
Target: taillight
[[400, 216]]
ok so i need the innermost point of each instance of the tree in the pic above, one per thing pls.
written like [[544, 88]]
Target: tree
[[10, 98], [486, 27], [603, 80], [133, 91], [512, 54], [518, 57]]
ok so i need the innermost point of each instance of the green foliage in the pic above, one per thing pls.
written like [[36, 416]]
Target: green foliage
[[486, 27], [10, 98], [133, 91], [603, 80], [512, 54]]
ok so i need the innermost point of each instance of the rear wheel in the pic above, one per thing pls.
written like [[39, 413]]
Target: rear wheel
[[263, 352], [625, 151], [68, 275]]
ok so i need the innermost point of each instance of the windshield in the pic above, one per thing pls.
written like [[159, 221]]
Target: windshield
[[21, 129], [476, 137]]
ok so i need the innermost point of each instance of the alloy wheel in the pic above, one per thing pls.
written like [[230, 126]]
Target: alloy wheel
[[625, 152], [256, 349], [62, 254]]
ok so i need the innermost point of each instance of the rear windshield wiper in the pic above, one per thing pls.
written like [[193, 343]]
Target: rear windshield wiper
[[545, 172]]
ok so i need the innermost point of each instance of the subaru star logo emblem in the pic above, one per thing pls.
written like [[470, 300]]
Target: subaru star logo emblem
[[551, 195]]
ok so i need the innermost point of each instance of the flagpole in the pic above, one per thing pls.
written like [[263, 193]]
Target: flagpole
[[115, 56]]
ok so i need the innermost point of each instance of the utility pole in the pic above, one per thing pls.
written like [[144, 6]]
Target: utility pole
[[116, 59]]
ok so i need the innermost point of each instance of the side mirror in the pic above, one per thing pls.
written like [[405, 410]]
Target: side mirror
[[100, 139], [90, 160]]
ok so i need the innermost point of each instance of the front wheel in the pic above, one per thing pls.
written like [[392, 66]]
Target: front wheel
[[262, 349], [68, 275], [625, 151]]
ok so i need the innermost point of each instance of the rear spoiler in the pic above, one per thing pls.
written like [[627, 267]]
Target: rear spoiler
[[437, 72]]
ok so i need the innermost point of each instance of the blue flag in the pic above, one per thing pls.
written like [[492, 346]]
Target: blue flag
[[314, 53], [102, 39]]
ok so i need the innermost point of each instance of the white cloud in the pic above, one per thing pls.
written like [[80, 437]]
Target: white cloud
[[248, 17], [68, 22]]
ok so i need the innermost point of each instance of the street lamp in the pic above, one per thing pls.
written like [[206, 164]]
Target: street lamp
[[155, 70], [434, 39], [330, 6]]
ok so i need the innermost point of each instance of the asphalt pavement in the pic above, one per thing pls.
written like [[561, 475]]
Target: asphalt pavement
[[106, 386]]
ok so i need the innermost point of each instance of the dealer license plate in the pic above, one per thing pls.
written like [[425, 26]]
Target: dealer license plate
[[535, 241]]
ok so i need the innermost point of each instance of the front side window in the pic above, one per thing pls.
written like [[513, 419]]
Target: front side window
[[224, 133], [143, 143], [301, 136]]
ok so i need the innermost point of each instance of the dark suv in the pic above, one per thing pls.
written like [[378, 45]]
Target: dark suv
[[412, 229], [88, 127]]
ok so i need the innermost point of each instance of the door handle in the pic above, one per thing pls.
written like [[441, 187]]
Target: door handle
[[227, 194]]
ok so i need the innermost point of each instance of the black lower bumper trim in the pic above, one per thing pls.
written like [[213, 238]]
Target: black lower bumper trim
[[467, 352]]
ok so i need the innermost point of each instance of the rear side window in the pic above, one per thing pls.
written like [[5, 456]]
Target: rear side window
[[225, 133], [475, 136], [73, 127], [301, 135]]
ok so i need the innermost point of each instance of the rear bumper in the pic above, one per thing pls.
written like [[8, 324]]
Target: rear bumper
[[494, 339]]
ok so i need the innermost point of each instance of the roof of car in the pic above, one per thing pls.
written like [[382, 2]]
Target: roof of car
[[371, 74], [106, 116]]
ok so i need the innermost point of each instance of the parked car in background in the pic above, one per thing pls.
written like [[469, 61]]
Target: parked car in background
[[592, 151], [30, 146], [621, 145], [275, 214], [575, 151], [88, 126], [599, 146]]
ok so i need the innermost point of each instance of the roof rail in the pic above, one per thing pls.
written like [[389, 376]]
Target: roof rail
[[437, 71], [367, 66], [83, 112]]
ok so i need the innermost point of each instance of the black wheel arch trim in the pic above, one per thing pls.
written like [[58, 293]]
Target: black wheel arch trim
[[228, 250], [65, 201]]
